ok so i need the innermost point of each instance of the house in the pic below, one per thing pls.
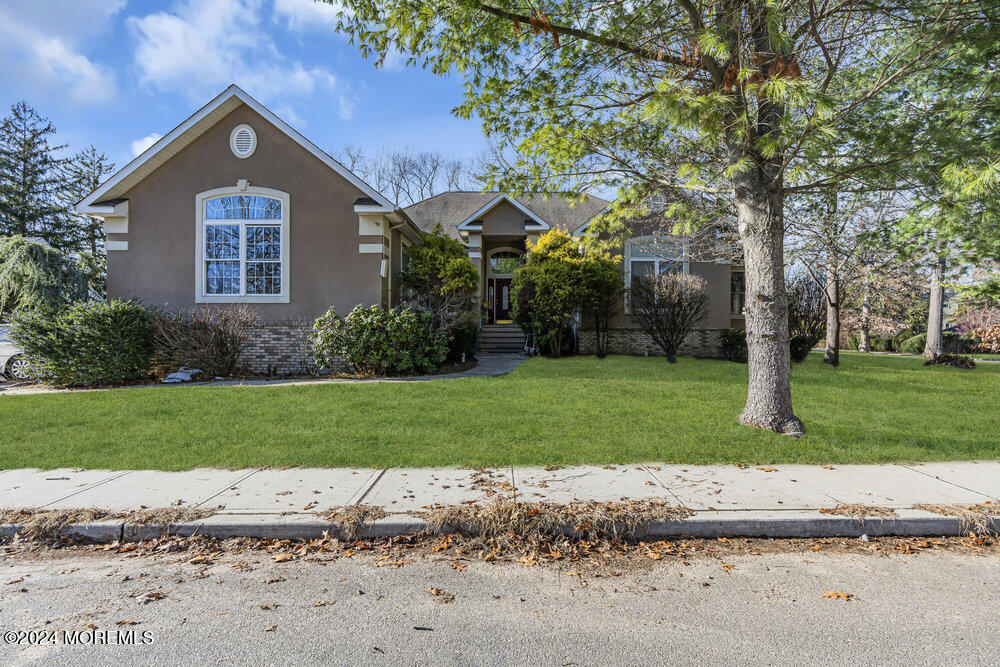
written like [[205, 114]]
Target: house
[[233, 206]]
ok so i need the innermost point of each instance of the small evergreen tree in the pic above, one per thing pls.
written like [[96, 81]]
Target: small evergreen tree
[[34, 276], [441, 279], [31, 178]]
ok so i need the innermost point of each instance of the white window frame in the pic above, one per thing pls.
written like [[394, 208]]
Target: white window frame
[[685, 260], [199, 253]]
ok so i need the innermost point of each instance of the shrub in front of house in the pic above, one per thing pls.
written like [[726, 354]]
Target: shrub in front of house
[[733, 345], [667, 307], [799, 347], [208, 339], [987, 339], [374, 341], [87, 343], [463, 338], [561, 279]]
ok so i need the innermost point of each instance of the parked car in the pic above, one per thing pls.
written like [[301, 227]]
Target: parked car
[[12, 362]]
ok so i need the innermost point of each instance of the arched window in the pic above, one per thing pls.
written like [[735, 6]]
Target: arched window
[[242, 254], [505, 262]]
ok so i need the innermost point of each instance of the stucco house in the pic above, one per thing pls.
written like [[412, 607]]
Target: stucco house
[[233, 206]]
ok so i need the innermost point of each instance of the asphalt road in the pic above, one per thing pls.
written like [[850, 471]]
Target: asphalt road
[[931, 608]]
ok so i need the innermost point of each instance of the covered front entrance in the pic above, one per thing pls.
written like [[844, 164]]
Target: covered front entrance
[[499, 295], [501, 263]]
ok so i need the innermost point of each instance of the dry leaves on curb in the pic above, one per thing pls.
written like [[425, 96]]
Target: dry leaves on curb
[[838, 595], [858, 511], [271, 629]]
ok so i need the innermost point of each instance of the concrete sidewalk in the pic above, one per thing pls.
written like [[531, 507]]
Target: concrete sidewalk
[[781, 500]]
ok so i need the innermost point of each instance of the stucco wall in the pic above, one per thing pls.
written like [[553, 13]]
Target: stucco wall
[[503, 220], [326, 268]]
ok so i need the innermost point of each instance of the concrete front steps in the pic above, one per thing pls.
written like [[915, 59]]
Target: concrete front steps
[[501, 338]]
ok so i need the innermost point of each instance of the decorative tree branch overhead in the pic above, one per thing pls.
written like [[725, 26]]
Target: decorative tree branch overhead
[[726, 105]]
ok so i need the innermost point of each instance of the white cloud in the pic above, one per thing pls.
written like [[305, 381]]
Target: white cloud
[[303, 15], [201, 46], [44, 51], [139, 146], [346, 105]]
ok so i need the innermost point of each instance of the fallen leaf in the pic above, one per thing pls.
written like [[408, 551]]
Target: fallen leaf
[[309, 506], [443, 544], [443, 596], [127, 621], [281, 558], [838, 595], [323, 603], [767, 469], [271, 629], [727, 567]]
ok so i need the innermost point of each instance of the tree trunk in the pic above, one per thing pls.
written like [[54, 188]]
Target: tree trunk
[[866, 317], [832, 354], [935, 314], [769, 391]]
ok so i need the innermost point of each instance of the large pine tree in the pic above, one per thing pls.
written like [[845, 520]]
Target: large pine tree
[[83, 173], [31, 178]]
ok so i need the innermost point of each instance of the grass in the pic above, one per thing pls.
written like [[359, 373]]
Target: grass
[[874, 408]]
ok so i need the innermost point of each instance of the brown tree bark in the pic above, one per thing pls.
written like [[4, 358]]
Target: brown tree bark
[[864, 344], [832, 354], [769, 392], [935, 315]]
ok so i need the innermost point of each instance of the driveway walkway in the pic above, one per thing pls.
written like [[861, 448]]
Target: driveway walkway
[[705, 489], [489, 365]]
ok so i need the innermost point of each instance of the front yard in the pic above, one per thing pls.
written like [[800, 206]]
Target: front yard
[[873, 408]]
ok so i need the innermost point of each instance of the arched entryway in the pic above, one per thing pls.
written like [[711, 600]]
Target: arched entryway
[[501, 263]]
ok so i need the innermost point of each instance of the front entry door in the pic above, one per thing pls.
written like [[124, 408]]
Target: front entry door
[[501, 300]]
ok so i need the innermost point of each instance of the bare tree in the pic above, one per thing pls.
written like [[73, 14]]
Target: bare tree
[[407, 176], [832, 236], [667, 307]]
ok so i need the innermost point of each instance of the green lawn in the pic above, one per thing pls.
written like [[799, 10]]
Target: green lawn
[[576, 410]]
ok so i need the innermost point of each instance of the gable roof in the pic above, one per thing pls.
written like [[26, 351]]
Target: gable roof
[[192, 128], [455, 210]]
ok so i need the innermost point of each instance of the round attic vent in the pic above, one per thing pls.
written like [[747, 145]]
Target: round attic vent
[[243, 141]]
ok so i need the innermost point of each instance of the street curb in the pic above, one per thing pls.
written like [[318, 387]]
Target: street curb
[[734, 523]]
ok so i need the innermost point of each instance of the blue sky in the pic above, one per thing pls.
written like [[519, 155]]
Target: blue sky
[[119, 73]]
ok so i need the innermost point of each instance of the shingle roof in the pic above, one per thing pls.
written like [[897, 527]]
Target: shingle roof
[[452, 208]]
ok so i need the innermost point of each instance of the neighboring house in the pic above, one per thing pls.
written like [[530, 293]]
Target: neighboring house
[[233, 206]]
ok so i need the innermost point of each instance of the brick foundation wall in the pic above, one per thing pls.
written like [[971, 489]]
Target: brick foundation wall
[[699, 343], [281, 348]]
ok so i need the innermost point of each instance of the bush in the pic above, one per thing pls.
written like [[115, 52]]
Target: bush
[[374, 341], [800, 345], [987, 339], [852, 342], [914, 344], [209, 339], [878, 344], [87, 343], [560, 279], [441, 280], [733, 345], [897, 341], [464, 339], [667, 307]]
